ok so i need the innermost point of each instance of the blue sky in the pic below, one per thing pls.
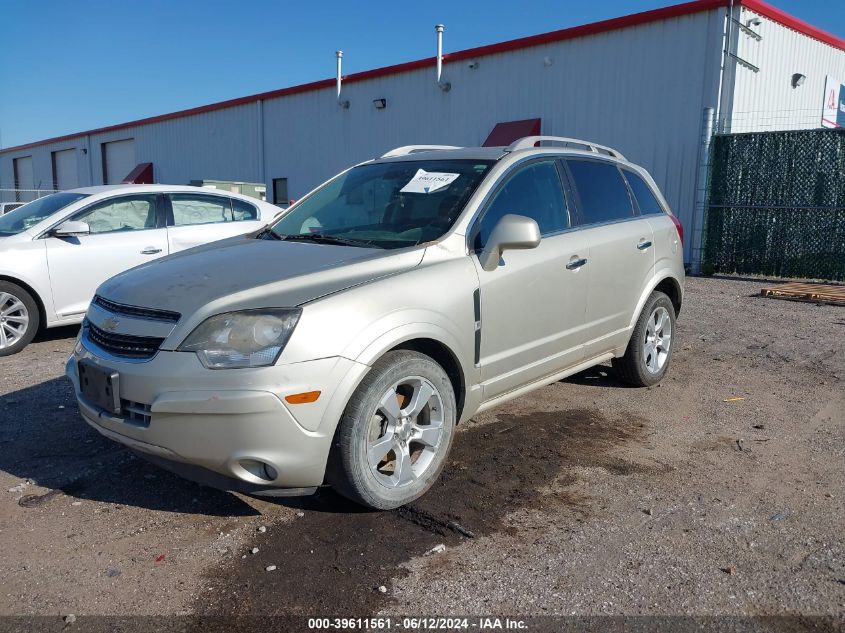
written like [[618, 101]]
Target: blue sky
[[70, 66]]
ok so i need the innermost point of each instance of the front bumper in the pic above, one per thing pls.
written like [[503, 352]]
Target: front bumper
[[223, 423]]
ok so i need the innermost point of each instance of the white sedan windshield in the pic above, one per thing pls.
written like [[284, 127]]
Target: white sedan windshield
[[33, 212]]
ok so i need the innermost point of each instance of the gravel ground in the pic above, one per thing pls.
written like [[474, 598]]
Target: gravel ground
[[584, 497]]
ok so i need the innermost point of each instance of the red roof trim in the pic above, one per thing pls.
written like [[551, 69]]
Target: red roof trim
[[594, 28], [781, 17]]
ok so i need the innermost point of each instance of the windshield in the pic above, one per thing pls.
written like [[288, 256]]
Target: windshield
[[33, 212], [385, 205]]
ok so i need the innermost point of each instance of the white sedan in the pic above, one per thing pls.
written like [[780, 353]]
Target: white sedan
[[56, 250]]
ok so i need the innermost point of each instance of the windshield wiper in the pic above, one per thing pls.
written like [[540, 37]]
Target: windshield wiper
[[267, 232], [320, 238]]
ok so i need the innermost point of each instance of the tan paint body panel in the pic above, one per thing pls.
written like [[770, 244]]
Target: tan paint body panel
[[539, 321]]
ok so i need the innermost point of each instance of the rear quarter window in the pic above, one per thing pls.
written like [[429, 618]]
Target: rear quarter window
[[243, 210], [601, 191], [646, 200]]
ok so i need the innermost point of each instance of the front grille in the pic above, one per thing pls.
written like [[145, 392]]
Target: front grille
[[125, 345], [135, 413], [150, 314]]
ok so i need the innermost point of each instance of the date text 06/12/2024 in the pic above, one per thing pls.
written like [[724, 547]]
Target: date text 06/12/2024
[[416, 623]]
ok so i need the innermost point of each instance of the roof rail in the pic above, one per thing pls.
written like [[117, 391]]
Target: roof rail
[[413, 149], [529, 142]]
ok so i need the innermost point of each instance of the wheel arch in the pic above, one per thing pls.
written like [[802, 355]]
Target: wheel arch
[[444, 357], [42, 311], [665, 282], [431, 340], [672, 289]]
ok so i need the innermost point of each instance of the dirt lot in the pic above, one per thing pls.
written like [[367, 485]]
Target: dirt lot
[[585, 497]]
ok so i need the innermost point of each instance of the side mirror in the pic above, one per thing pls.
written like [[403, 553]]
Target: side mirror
[[512, 232], [71, 228]]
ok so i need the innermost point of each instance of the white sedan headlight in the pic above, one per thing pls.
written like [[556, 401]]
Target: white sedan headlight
[[251, 338]]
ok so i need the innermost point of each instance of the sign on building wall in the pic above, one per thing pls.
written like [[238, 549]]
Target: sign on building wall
[[833, 114]]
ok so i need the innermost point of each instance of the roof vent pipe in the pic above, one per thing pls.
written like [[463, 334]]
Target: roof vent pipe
[[342, 103], [445, 86]]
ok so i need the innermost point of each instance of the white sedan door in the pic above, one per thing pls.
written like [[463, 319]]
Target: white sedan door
[[198, 218], [125, 232]]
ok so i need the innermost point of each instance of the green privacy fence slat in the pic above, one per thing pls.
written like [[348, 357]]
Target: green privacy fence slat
[[776, 205]]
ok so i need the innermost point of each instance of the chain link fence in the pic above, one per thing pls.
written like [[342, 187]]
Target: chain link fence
[[23, 195], [776, 205]]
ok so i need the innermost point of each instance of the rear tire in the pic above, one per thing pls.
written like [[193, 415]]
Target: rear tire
[[393, 438], [649, 351], [19, 318]]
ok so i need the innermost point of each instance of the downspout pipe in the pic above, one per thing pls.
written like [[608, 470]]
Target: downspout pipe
[[699, 212]]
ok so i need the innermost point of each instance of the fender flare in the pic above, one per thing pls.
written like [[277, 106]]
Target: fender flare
[[658, 277], [393, 337], [448, 339]]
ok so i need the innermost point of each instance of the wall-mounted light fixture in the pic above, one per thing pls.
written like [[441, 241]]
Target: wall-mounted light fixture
[[380, 104], [753, 22], [473, 64], [548, 61], [798, 80]]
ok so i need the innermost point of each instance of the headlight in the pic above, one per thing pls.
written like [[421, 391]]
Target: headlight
[[252, 338]]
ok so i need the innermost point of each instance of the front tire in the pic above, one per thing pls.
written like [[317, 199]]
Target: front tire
[[19, 318], [393, 438], [649, 352]]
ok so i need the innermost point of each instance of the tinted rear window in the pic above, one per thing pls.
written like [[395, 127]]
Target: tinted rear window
[[646, 200], [601, 190]]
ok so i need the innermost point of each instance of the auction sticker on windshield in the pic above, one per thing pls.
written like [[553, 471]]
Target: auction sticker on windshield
[[428, 181]]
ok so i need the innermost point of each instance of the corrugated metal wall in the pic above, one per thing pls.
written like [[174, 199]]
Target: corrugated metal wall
[[766, 100], [619, 88], [640, 89]]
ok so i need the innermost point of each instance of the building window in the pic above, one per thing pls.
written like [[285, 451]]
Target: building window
[[280, 192]]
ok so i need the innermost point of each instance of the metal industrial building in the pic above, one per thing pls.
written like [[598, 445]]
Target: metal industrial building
[[655, 85]]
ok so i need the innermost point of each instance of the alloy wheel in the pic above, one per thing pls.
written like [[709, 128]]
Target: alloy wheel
[[14, 319], [406, 432], [658, 339]]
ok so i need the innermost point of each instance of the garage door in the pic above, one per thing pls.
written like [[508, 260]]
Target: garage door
[[65, 170], [118, 160], [24, 178]]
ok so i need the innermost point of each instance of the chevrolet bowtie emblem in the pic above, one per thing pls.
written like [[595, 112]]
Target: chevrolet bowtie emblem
[[110, 324]]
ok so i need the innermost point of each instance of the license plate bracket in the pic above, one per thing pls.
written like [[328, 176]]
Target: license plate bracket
[[100, 386]]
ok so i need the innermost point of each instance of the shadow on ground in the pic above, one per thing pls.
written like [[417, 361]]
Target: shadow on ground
[[57, 333], [335, 556], [43, 438], [597, 376]]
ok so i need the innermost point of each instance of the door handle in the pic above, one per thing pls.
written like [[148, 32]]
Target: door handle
[[150, 250], [644, 245], [576, 263]]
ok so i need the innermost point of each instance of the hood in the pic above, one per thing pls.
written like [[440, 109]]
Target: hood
[[243, 272]]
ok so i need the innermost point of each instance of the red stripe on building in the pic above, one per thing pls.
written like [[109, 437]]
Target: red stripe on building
[[594, 28]]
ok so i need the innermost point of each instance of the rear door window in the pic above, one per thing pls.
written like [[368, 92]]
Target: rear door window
[[602, 192], [533, 191], [646, 200], [200, 209]]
